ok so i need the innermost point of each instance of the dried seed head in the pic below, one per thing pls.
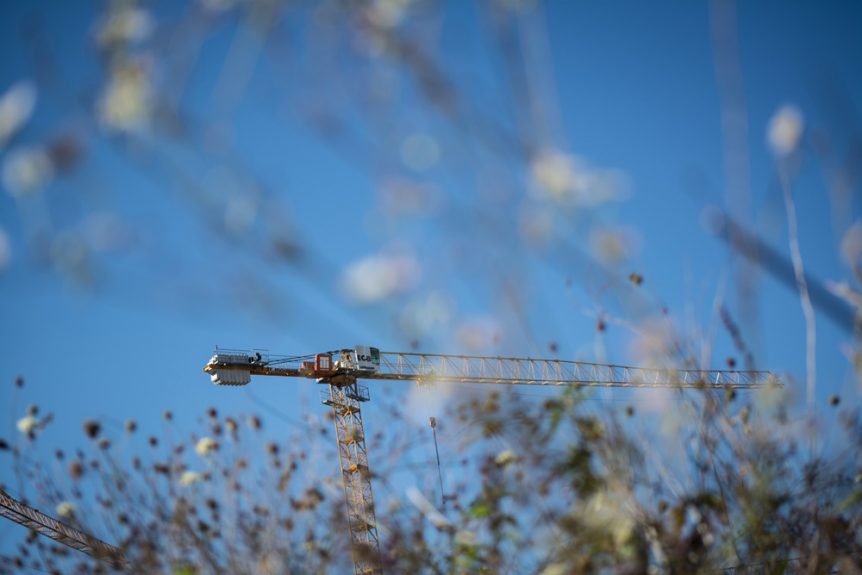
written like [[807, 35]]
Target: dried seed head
[[230, 424], [65, 509], [92, 428], [189, 478], [76, 470], [28, 425], [206, 445]]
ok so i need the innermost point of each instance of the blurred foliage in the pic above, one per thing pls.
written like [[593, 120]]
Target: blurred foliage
[[714, 482], [572, 492]]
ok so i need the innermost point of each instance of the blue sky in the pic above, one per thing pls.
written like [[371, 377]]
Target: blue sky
[[630, 87]]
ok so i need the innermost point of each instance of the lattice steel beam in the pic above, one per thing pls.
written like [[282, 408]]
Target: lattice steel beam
[[526, 371], [345, 400], [31, 518]]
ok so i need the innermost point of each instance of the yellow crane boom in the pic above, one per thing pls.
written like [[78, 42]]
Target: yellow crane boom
[[345, 396]]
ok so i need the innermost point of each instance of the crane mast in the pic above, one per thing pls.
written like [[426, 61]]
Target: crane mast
[[345, 396]]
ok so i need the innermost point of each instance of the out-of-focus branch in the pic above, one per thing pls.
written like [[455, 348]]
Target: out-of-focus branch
[[804, 293], [735, 137], [778, 266]]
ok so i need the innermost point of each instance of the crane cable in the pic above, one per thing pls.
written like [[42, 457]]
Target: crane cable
[[298, 358]]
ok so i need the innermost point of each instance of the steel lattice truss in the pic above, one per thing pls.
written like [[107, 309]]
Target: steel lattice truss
[[345, 402], [25, 515], [235, 367], [525, 371], [429, 367]]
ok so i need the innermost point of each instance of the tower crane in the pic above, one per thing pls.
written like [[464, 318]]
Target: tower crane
[[344, 394], [23, 514]]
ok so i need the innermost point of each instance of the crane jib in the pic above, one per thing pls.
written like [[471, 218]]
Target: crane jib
[[235, 369], [34, 519]]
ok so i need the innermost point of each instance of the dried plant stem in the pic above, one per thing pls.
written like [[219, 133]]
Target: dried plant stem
[[804, 297]]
